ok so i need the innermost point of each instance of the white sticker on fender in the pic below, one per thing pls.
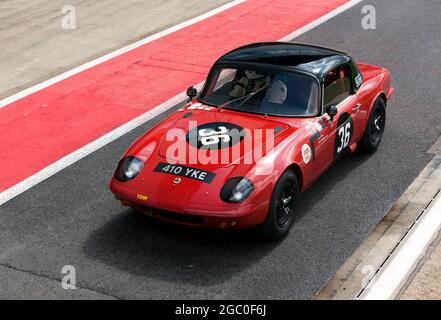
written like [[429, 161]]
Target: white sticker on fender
[[306, 153]]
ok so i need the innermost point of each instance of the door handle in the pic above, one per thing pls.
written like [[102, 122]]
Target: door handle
[[357, 107]]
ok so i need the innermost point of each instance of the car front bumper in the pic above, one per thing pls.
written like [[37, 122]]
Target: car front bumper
[[228, 216]]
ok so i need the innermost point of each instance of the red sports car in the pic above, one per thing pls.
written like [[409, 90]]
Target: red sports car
[[269, 120]]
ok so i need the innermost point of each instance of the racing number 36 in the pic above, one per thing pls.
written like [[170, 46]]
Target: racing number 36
[[210, 136], [344, 133]]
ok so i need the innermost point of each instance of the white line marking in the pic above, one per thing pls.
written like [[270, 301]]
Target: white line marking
[[120, 131], [115, 53], [386, 286]]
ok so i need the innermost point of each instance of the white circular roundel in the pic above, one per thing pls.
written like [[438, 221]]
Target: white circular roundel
[[306, 153]]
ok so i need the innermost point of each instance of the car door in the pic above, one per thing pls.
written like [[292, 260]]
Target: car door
[[341, 129]]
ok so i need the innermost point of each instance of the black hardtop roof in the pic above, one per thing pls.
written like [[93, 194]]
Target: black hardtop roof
[[305, 57]]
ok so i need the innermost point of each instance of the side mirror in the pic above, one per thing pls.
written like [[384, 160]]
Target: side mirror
[[332, 112], [192, 92]]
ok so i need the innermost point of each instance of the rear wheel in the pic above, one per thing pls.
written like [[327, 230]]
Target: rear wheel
[[375, 128], [281, 211]]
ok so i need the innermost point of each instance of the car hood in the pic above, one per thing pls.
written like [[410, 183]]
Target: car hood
[[199, 136]]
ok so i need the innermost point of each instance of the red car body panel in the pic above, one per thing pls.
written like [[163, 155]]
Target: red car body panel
[[197, 203]]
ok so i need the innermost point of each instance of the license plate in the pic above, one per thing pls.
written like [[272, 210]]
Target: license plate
[[187, 172]]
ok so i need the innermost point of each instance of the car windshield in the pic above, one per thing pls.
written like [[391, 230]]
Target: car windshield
[[267, 92]]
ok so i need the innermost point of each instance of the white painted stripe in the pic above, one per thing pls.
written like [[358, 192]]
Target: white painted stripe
[[115, 53], [120, 131], [387, 285]]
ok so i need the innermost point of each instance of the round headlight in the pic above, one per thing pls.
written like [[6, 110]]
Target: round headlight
[[236, 189], [128, 168]]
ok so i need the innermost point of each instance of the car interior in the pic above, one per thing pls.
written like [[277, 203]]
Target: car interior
[[277, 93], [337, 86]]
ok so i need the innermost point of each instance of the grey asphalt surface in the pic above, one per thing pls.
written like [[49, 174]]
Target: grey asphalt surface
[[72, 218]]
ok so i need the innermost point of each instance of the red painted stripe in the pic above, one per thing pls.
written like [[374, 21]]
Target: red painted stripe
[[49, 124]]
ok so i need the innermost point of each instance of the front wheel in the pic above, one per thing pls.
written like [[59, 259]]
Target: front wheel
[[375, 128], [281, 211]]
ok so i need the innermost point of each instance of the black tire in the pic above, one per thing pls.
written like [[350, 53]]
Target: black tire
[[374, 128], [278, 221]]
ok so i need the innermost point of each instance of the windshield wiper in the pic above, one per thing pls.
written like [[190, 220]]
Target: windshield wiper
[[246, 97], [252, 94]]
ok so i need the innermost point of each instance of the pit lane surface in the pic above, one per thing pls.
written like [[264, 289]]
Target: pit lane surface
[[72, 218]]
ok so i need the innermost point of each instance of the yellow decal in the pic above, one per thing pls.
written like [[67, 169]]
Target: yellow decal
[[142, 197]]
